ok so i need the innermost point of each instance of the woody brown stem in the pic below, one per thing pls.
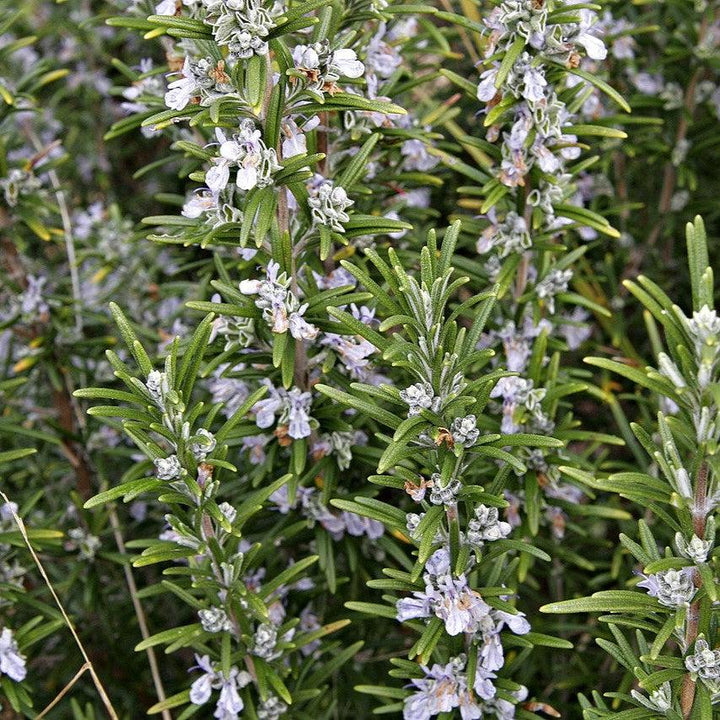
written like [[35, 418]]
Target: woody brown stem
[[61, 397], [687, 693], [522, 273], [69, 419], [670, 172]]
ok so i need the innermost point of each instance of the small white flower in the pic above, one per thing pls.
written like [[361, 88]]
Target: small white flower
[[229, 704], [218, 176], [417, 156], [464, 430], [264, 642], [345, 63], [534, 84], [704, 663], [180, 92], [306, 57], [273, 707], [487, 526], [166, 7], [12, 661], [300, 329], [594, 46], [486, 90], [199, 203], [298, 414], [673, 588]]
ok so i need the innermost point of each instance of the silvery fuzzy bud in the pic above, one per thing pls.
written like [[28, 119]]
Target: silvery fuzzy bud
[[168, 468], [231, 570], [555, 282], [704, 375], [487, 526], [673, 588], [660, 700], [328, 206], [265, 641], [464, 431], [443, 495], [418, 397], [271, 709], [696, 550], [412, 520], [228, 511], [704, 663], [158, 387], [203, 444], [670, 370], [84, 542], [682, 483], [680, 151], [702, 424], [214, 620], [705, 326]]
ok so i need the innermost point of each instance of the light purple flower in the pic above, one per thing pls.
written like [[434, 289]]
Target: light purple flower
[[12, 661]]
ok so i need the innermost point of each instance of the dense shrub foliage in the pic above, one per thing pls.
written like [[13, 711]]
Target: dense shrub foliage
[[359, 357]]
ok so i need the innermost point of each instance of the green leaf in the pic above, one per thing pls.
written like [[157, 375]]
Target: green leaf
[[600, 85], [193, 356], [298, 11], [129, 489], [370, 409], [356, 168], [548, 641], [511, 55], [372, 609], [329, 667], [382, 691], [502, 546], [286, 576], [10, 455], [612, 601], [181, 698], [374, 509], [596, 130], [130, 339], [184, 26], [167, 637], [631, 373]]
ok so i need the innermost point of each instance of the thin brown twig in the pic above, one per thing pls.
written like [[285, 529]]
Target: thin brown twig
[[63, 692], [670, 172], [463, 35], [90, 667], [67, 232], [63, 401], [69, 418], [139, 612]]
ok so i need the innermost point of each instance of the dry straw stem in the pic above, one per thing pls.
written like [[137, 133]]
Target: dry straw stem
[[88, 666], [139, 612], [67, 232]]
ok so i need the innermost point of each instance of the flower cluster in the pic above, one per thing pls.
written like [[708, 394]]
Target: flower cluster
[[320, 411]]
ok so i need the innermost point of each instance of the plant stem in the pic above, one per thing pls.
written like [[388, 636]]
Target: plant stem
[[670, 173], [687, 693]]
